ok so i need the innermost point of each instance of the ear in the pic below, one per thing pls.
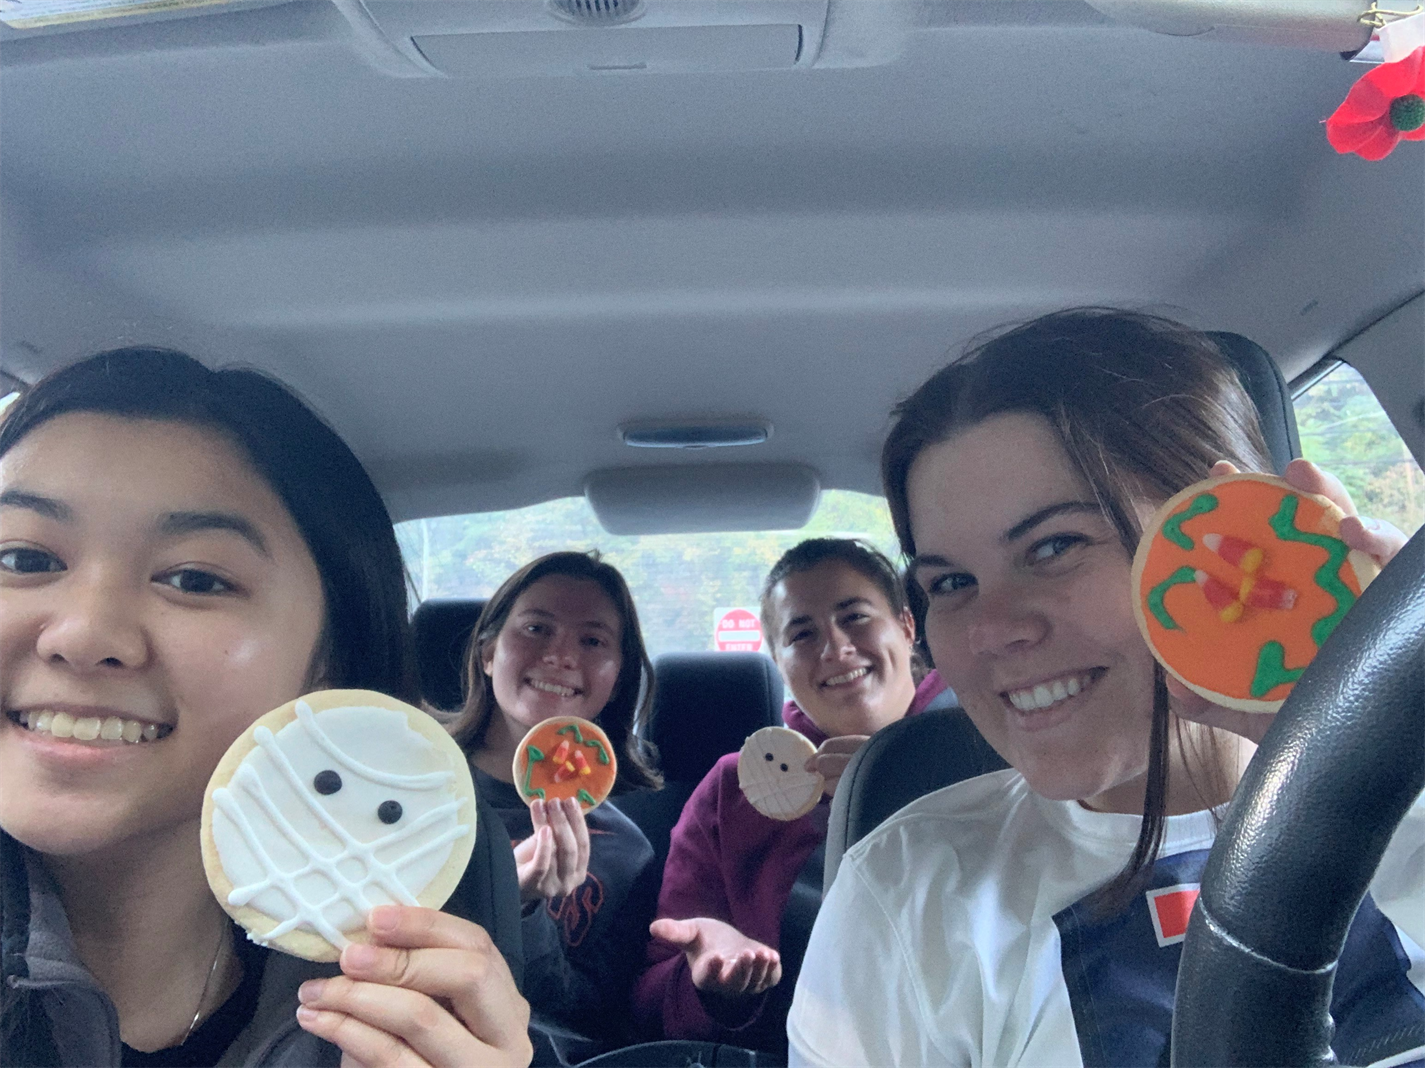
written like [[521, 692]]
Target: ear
[[907, 622], [487, 658], [319, 667]]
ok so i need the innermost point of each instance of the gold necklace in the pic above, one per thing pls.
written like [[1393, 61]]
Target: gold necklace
[[208, 982]]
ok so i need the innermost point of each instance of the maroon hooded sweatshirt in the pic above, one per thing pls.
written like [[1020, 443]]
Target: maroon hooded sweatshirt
[[729, 862]]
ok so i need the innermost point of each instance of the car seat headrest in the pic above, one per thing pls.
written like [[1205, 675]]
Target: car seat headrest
[[891, 770], [706, 704], [442, 629], [1264, 383]]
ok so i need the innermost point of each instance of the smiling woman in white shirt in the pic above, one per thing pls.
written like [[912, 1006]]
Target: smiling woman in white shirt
[[1034, 916]]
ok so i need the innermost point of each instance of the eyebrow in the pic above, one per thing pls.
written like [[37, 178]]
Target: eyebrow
[[1024, 526], [1014, 533], [550, 615], [45, 506], [838, 607], [177, 524]]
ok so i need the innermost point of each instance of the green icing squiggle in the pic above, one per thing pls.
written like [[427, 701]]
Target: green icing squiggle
[[586, 797], [1272, 670], [1157, 593], [1173, 525], [1327, 575], [593, 743], [532, 757]]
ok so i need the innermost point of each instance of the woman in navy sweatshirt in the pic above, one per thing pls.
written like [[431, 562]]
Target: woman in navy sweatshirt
[[561, 638]]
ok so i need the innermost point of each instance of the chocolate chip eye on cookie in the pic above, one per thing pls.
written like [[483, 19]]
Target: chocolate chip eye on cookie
[[1237, 583]]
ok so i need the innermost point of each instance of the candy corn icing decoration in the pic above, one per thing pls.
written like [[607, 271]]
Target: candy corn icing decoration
[[565, 757], [1238, 581]]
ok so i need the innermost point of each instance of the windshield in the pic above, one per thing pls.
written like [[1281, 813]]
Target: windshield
[[694, 592]]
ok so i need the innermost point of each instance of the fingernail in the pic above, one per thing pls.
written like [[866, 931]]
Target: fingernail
[[383, 918], [306, 1015], [311, 991], [358, 955]]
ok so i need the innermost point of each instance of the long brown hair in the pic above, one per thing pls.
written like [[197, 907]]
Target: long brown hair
[[366, 638], [1142, 405], [626, 714]]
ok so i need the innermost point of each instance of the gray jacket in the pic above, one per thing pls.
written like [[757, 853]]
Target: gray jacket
[[40, 963], [83, 1024]]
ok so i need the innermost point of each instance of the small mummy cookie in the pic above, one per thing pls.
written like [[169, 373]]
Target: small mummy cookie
[[771, 769], [565, 757], [1237, 583], [329, 806]]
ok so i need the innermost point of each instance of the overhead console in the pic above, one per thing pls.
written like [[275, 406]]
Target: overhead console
[[517, 38], [699, 498]]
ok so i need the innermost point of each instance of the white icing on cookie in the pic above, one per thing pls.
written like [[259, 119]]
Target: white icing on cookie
[[771, 769], [311, 833]]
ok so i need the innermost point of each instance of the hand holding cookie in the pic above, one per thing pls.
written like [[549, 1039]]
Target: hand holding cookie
[[722, 960], [553, 861], [831, 758], [430, 989]]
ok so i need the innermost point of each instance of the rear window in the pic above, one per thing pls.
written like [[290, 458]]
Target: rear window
[[1344, 429], [694, 592]]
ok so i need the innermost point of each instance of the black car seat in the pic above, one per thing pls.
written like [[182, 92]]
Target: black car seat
[[442, 628], [916, 756], [704, 706]]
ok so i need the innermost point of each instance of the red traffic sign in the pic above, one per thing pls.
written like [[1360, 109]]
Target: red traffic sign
[[737, 630]]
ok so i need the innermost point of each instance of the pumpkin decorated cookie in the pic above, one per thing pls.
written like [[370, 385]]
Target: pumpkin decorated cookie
[[771, 770], [565, 757], [1237, 583]]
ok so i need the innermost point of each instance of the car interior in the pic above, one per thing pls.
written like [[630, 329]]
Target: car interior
[[680, 258]]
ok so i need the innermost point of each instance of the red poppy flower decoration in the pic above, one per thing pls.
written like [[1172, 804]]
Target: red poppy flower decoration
[[1383, 108]]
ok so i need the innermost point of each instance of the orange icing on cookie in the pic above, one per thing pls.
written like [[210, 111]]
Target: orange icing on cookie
[[1237, 582], [565, 757]]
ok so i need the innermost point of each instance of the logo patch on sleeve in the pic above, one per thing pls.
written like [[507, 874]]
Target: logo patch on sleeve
[[1169, 909]]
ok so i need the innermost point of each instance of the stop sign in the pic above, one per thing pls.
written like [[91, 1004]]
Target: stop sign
[[737, 630]]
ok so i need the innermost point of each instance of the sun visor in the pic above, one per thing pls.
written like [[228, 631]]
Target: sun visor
[[698, 498]]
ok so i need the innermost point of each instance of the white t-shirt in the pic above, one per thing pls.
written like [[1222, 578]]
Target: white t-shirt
[[957, 933]]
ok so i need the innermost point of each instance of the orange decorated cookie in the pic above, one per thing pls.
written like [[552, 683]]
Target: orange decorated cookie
[[565, 757], [1237, 583]]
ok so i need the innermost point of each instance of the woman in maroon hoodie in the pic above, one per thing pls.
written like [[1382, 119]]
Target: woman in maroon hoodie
[[842, 634]]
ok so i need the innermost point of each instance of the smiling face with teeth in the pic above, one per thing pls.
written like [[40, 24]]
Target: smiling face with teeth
[[155, 599], [844, 652], [558, 654], [1030, 617]]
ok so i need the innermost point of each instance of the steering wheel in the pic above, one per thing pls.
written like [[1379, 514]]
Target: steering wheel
[[1332, 779]]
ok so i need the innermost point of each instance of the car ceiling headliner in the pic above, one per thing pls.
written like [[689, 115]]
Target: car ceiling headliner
[[478, 280]]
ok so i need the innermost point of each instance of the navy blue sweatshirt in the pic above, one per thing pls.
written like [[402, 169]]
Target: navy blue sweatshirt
[[583, 951]]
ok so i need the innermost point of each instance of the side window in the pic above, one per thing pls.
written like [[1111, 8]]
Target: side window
[[1344, 429]]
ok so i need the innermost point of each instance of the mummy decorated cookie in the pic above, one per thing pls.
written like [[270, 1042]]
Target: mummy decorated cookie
[[329, 806], [771, 769], [565, 757], [1237, 583]]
